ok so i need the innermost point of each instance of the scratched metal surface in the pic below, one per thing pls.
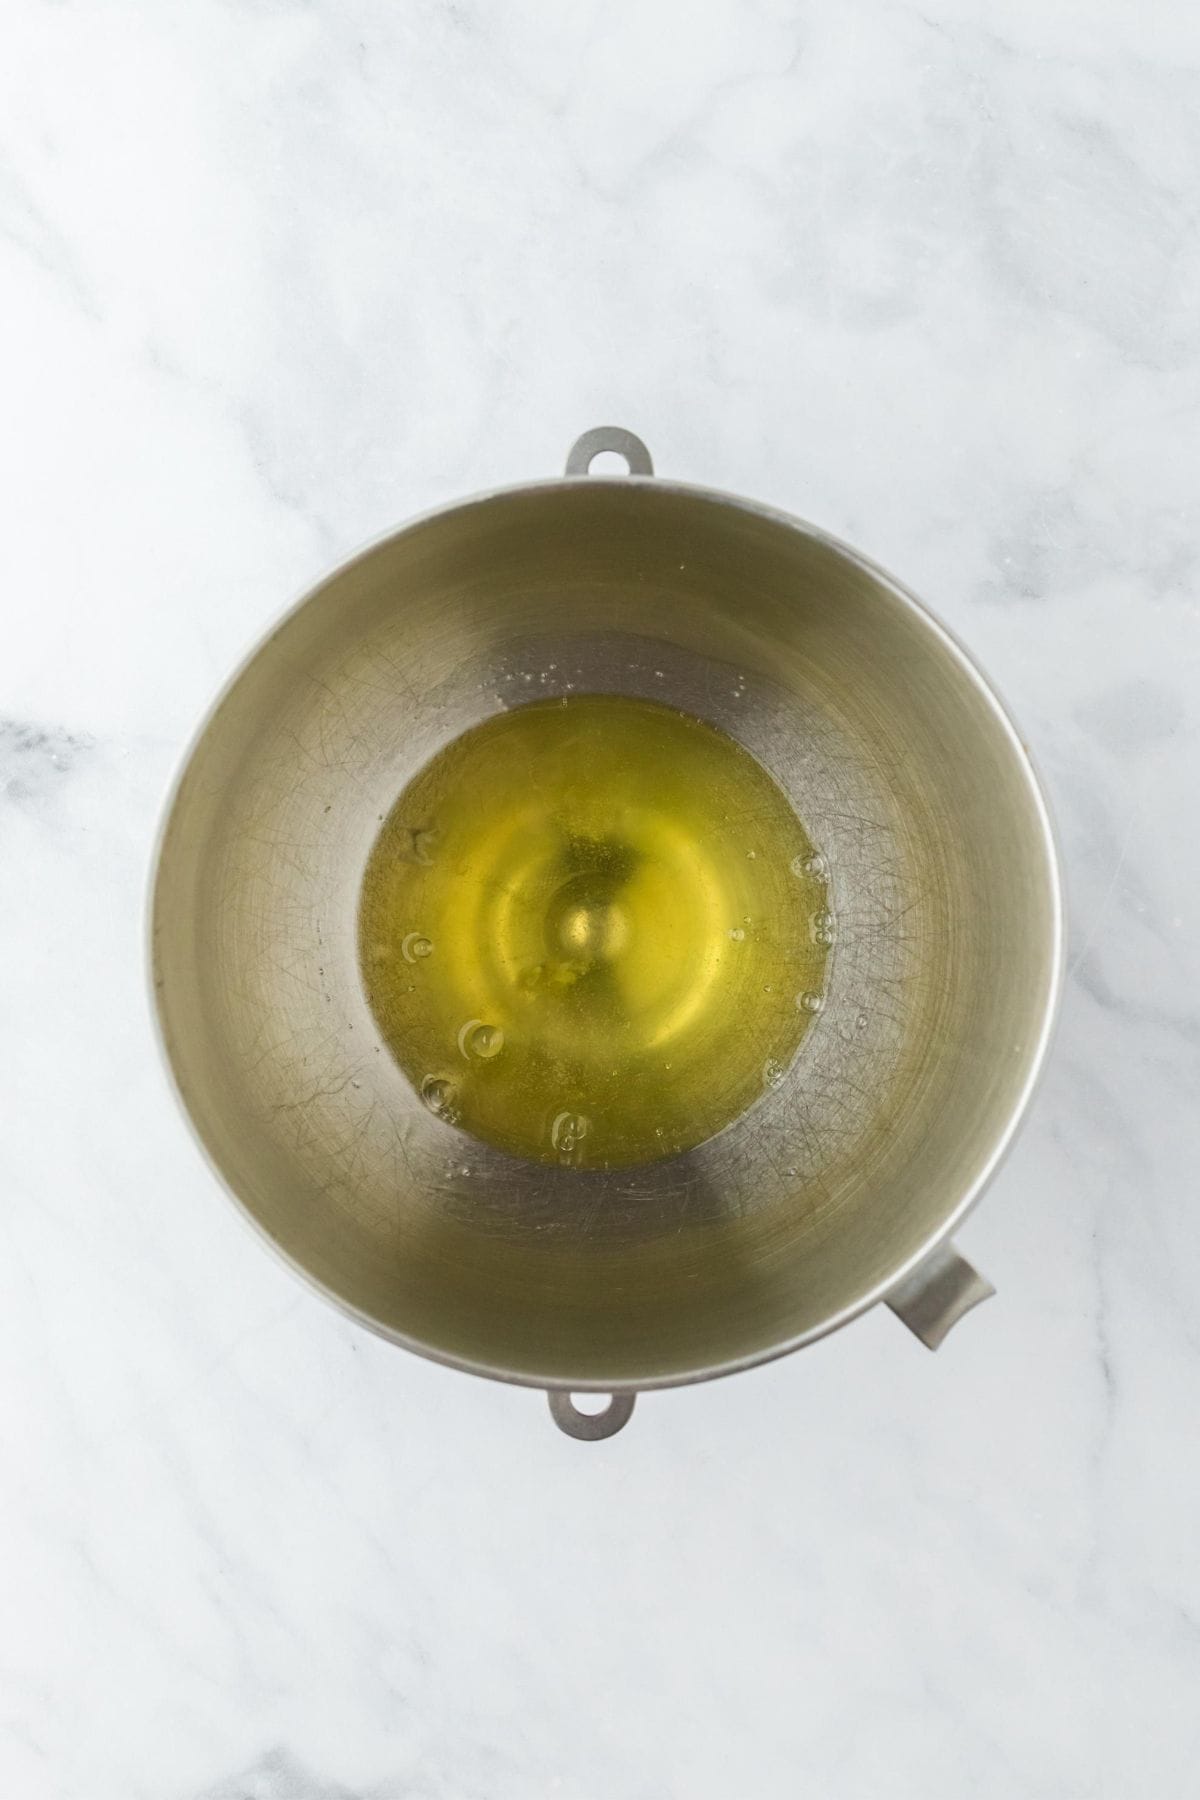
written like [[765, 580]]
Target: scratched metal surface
[[907, 778]]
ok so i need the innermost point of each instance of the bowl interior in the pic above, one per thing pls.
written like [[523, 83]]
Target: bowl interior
[[940, 987]]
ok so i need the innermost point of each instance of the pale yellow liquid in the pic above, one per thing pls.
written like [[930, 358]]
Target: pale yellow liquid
[[593, 930]]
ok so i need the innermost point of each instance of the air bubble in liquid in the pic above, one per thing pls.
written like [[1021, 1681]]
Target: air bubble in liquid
[[416, 947], [823, 926], [773, 1072], [478, 1039], [568, 1132], [813, 866], [810, 1002], [438, 1095]]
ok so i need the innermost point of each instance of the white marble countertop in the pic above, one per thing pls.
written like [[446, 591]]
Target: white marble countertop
[[274, 276]]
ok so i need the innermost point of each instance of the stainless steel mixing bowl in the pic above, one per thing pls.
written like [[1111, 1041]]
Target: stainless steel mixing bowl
[[841, 1187]]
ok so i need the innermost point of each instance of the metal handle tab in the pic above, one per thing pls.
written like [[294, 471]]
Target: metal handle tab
[[937, 1294], [608, 437], [587, 1426]]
